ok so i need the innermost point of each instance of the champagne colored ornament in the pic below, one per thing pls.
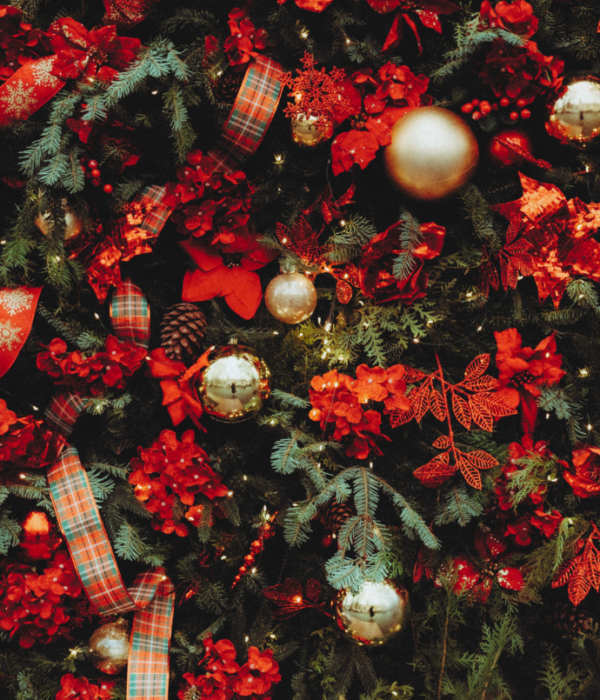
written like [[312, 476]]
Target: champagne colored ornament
[[371, 617], [291, 297], [73, 224], [574, 114], [308, 133], [235, 383], [507, 147], [431, 154], [109, 647]]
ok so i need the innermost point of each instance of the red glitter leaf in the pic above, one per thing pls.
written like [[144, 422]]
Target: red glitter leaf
[[461, 410], [477, 366]]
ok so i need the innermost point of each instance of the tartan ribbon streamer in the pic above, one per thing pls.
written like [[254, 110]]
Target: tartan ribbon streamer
[[63, 411], [130, 314], [151, 594], [252, 112]]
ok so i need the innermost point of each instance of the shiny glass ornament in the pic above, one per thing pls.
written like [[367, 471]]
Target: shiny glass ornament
[[291, 297], [306, 132], [574, 114], [109, 647], [371, 617], [235, 383], [431, 154], [73, 224]]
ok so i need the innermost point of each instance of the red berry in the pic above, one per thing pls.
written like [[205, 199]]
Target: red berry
[[96, 183], [514, 116], [504, 102], [495, 107], [521, 103], [525, 113], [83, 168], [475, 102], [476, 115], [485, 108], [108, 188], [467, 108], [93, 164], [96, 172]]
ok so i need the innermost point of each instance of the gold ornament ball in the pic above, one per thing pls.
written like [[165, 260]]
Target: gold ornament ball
[[431, 154], [371, 617], [291, 297], [574, 114], [73, 224], [234, 385], [306, 132], [109, 647]]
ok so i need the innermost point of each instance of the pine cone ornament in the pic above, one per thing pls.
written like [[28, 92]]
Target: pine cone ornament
[[182, 332], [570, 620], [227, 86], [334, 515]]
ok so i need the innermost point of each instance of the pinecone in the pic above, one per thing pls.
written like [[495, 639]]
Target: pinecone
[[335, 515], [227, 86], [568, 619], [182, 332]]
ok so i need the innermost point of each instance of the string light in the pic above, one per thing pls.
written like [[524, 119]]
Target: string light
[[584, 372], [589, 426], [279, 158], [416, 340]]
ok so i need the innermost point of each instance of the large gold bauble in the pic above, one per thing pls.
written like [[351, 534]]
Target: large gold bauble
[[109, 647], [432, 153], [234, 385], [306, 132], [291, 297], [574, 114], [371, 617], [73, 224]]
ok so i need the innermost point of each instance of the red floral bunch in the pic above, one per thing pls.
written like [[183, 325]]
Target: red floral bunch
[[524, 370], [339, 399], [535, 516], [170, 475], [98, 54], [225, 679], [34, 607], [110, 368], [81, 689], [244, 42], [516, 72], [19, 42], [584, 479], [376, 102], [26, 443], [376, 264]]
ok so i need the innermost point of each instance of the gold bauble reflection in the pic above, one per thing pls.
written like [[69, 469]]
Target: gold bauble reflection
[[109, 647], [73, 224], [291, 297], [371, 617], [432, 153], [574, 115], [234, 385], [306, 131]]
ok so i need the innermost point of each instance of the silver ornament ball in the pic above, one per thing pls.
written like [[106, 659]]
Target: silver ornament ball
[[291, 297]]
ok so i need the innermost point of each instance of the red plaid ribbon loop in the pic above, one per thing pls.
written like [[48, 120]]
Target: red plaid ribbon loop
[[130, 314], [151, 595], [63, 411]]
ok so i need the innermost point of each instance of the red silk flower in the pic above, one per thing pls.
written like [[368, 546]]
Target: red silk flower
[[243, 43], [81, 689], [516, 17], [585, 482]]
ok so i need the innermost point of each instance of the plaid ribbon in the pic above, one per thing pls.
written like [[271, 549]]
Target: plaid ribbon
[[253, 110], [151, 594], [130, 314], [63, 411]]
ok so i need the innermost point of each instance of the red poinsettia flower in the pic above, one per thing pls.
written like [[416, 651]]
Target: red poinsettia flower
[[585, 482], [377, 263], [258, 674], [227, 272], [245, 41], [97, 54], [524, 370]]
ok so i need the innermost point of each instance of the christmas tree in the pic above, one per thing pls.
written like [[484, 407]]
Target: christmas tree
[[299, 350]]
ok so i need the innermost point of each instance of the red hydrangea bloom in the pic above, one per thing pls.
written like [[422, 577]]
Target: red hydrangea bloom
[[171, 474], [27, 443], [35, 607], [585, 482], [19, 41], [516, 17], [7, 418], [245, 40], [524, 370], [547, 523], [376, 265], [220, 656], [81, 689], [258, 674]]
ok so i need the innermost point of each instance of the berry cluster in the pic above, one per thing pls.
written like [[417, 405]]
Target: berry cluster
[[92, 172], [479, 109]]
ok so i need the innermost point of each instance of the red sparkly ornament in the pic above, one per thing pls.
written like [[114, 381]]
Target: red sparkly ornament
[[508, 149]]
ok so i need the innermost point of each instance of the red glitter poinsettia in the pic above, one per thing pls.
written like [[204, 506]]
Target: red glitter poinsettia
[[582, 572], [37, 607], [585, 481], [19, 41], [524, 370], [376, 102], [82, 689], [172, 474], [376, 264], [26, 443], [108, 369]]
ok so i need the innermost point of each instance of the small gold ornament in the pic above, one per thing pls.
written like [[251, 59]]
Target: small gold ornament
[[109, 647], [431, 154], [291, 297], [307, 132], [371, 617], [235, 383], [574, 114], [73, 224]]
